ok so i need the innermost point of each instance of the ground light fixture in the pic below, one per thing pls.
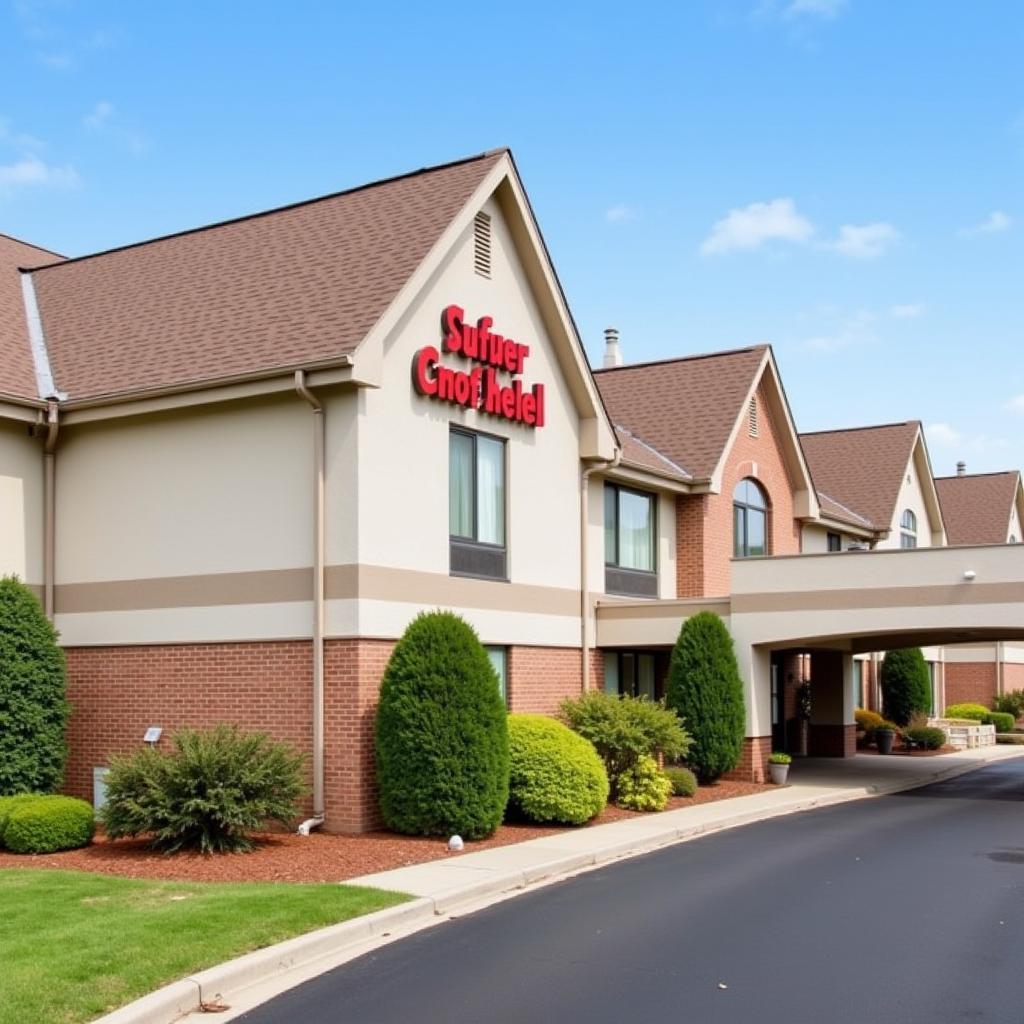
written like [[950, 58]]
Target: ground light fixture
[[969, 574]]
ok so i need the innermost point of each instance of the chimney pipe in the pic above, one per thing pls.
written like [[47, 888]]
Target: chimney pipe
[[612, 352], [961, 469]]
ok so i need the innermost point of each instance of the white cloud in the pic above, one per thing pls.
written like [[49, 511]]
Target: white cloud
[[943, 435], [818, 8], [99, 115], [907, 311], [1016, 404], [994, 223], [852, 331], [754, 225], [31, 172], [864, 241], [618, 214]]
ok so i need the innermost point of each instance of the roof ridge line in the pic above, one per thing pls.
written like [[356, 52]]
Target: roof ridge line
[[871, 426], [266, 213], [971, 476], [650, 447], [681, 359], [845, 507], [31, 245]]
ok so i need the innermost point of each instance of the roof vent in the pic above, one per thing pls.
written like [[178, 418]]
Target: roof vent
[[612, 352], [482, 244], [961, 469], [752, 417]]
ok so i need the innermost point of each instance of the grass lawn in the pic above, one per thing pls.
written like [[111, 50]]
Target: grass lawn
[[74, 946]]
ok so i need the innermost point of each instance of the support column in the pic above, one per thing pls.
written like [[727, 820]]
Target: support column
[[833, 729]]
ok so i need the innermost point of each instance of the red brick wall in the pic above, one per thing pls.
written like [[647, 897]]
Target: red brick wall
[[971, 681], [832, 740], [704, 527], [540, 678], [753, 766]]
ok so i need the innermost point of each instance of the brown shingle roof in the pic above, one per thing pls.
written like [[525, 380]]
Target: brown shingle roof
[[977, 508], [862, 468], [836, 510], [292, 287], [685, 408], [637, 452], [17, 371]]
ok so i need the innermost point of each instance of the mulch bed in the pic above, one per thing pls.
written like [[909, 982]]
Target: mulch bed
[[903, 752], [320, 857]]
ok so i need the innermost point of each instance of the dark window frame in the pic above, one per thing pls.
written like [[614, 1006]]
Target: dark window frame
[[468, 556], [636, 654], [746, 508], [623, 580], [908, 529], [834, 542]]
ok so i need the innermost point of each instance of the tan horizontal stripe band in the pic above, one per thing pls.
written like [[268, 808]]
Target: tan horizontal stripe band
[[880, 597], [658, 610]]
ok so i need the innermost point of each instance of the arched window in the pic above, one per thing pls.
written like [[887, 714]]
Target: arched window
[[750, 519], [908, 529]]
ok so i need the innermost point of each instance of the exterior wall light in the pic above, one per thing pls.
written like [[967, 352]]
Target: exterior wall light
[[153, 734], [969, 574]]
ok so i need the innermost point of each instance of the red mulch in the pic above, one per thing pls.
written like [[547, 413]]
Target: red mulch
[[320, 857]]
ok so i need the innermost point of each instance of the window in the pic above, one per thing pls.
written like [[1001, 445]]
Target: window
[[631, 673], [908, 529], [629, 539], [499, 661], [835, 542], [476, 505], [750, 520]]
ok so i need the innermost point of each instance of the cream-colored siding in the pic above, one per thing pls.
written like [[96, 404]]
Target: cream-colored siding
[[21, 503], [911, 496], [814, 539], [1013, 534]]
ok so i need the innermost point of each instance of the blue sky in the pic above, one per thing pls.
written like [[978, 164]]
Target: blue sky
[[842, 178]]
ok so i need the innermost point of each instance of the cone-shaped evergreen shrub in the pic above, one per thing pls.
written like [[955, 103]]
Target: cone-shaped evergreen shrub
[[442, 733], [705, 689], [906, 685], [33, 706]]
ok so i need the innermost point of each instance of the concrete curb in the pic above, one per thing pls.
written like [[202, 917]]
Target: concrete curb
[[263, 966]]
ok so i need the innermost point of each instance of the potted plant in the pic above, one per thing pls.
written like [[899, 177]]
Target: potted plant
[[778, 767], [885, 736]]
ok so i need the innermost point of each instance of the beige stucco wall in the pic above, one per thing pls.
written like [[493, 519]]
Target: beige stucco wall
[[911, 497], [21, 503], [1013, 533], [814, 539]]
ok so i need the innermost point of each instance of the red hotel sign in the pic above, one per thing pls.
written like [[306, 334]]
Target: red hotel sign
[[479, 388]]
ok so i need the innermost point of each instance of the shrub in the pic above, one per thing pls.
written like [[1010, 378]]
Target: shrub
[[625, 729], [906, 684], [644, 787], [779, 758], [442, 733], [554, 774], [33, 706], [46, 824], [8, 805], [973, 712], [684, 782], [1002, 721], [868, 721], [704, 688], [214, 788], [1011, 703], [928, 736]]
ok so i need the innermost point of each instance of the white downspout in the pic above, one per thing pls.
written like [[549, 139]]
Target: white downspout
[[318, 605], [49, 507], [584, 573]]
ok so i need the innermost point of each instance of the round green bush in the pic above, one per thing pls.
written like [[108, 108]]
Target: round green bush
[[1011, 703], [9, 803], [928, 736], [1001, 720], [906, 685], [554, 774], [974, 712], [213, 789], [48, 824], [704, 688], [33, 705], [441, 733], [684, 782], [644, 786]]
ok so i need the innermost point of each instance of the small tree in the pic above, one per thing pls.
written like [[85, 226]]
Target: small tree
[[442, 733], [33, 702], [906, 685], [705, 689]]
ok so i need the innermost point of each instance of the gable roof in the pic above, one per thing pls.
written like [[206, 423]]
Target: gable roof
[[17, 371], [685, 409], [299, 286], [977, 508], [862, 468]]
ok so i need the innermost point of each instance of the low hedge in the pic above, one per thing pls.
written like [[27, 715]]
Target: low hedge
[[866, 720], [975, 712], [1001, 720], [1016, 738], [684, 782], [1011, 703], [9, 803], [47, 824], [644, 787], [928, 736], [555, 775]]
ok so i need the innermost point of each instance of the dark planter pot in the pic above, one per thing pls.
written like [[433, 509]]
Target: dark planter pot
[[884, 739]]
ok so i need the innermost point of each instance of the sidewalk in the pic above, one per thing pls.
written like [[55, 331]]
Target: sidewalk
[[470, 880]]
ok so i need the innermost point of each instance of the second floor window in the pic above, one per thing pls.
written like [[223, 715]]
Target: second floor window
[[908, 529], [476, 504], [629, 542], [750, 519]]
